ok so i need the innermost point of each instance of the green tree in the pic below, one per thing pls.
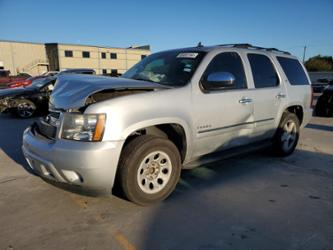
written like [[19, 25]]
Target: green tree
[[319, 63]]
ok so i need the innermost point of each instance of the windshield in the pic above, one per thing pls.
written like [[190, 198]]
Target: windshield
[[174, 68]]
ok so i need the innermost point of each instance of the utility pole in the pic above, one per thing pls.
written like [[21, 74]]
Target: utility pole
[[304, 51]]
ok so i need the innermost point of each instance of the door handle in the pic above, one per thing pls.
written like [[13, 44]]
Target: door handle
[[280, 95], [245, 100]]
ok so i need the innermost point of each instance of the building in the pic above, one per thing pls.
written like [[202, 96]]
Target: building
[[104, 60], [36, 58], [23, 57]]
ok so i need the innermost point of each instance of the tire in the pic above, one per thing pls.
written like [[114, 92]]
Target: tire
[[149, 169], [287, 135], [25, 108], [323, 111]]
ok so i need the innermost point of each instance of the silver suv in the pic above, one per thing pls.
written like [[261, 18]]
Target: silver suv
[[174, 109]]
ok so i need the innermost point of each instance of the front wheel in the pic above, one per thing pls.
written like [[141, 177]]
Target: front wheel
[[287, 135], [149, 169], [25, 108]]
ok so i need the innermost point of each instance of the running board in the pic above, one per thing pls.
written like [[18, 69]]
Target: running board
[[225, 154]]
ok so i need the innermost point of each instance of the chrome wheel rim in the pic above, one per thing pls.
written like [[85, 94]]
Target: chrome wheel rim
[[25, 109], [289, 134], [154, 172]]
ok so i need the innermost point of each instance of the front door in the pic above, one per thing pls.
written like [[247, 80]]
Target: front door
[[223, 117]]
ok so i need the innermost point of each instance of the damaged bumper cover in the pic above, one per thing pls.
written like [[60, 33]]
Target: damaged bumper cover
[[91, 166]]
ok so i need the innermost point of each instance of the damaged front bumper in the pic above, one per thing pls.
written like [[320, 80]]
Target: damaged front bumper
[[89, 165], [5, 105]]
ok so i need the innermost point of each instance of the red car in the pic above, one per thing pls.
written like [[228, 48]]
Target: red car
[[28, 81], [21, 83], [6, 79]]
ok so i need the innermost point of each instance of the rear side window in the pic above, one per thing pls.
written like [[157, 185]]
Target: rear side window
[[228, 62], [293, 70], [263, 71]]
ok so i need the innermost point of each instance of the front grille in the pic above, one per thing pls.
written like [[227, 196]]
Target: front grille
[[55, 114], [46, 129], [48, 126]]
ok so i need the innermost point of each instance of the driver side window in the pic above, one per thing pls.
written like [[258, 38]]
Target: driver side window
[[229, 62]]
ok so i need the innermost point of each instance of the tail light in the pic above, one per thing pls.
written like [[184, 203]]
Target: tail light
[[20, 84], [14, 85], [27, 83]]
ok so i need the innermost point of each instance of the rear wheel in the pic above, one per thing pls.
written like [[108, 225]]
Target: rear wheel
[[287, 134], [25, 108], [322, 108], [149, 169]]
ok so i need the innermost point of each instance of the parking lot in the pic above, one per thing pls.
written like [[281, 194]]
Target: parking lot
[[256, 201]]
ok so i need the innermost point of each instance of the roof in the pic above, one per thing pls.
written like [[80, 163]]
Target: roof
[[241, 46], [13, 41], [137, 47]]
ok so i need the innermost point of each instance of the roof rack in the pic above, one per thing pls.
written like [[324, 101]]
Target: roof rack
[[249, 46]]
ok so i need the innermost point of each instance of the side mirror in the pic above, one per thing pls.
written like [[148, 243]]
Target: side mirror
[[218, 80]]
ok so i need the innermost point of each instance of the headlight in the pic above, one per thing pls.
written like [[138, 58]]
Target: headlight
[[83, 127]]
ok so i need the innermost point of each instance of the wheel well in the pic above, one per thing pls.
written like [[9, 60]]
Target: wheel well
[[173, 132], [298, 111]]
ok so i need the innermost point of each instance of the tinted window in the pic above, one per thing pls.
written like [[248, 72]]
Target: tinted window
[[228, 62], [103, 55], [293, 70], [113, 55], [85, 54], [263, 71], [68, 53]]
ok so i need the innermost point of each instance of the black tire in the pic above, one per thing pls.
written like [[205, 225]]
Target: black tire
[[281, 145], [133, 155], [322, 108], [25, 108]]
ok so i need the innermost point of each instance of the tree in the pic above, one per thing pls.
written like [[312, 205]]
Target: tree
[[319, 63]]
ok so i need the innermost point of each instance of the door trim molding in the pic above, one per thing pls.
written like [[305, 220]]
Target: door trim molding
[[234, 125]]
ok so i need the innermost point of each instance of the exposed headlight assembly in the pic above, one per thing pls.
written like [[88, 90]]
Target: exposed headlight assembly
[[83, 127]]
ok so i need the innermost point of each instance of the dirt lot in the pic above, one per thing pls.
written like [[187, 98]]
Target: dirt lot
[[253, 202]]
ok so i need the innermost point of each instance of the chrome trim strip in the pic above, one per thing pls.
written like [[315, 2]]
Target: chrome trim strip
[[234, 125]]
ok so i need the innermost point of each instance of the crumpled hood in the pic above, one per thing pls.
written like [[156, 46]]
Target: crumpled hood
[[72, 90]]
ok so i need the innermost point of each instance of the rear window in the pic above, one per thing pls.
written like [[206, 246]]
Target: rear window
[[293, 70]]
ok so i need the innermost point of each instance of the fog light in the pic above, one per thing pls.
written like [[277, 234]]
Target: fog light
[[29, 163], [72, 177], [44, 170]]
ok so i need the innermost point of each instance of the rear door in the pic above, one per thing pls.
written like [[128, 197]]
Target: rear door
[[269, 94]]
